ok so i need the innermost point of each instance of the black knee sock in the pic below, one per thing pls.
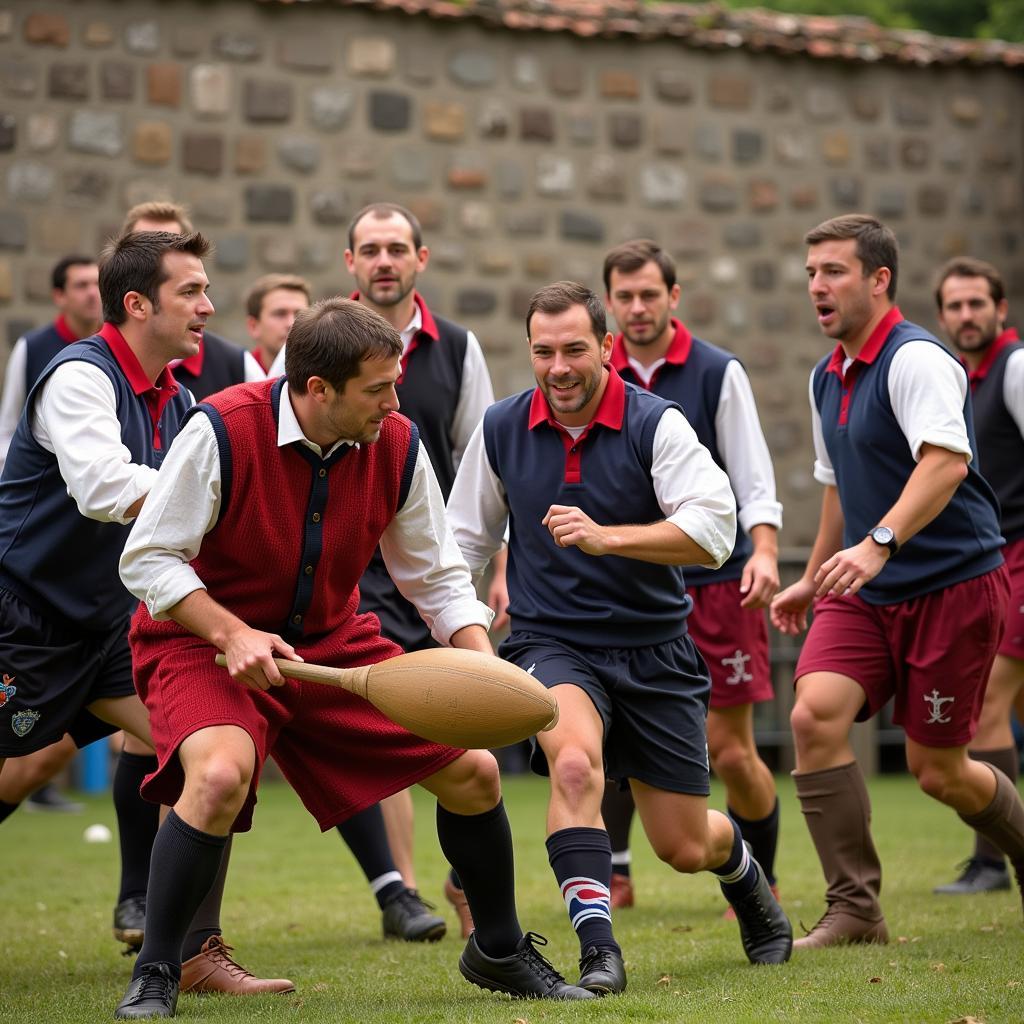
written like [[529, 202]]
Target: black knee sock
[[453, 877], [479, 849], [6, 810], [367, 838], [137, 822], [581, 859], [617, 809], [185, 864], [763, 836], [206, 920], [737, 875]]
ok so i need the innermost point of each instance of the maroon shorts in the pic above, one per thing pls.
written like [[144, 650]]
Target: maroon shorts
[[1013, 639], [932, 653], [734, 643], [338, 752]]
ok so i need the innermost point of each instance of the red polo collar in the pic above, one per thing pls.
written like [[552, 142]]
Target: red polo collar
[[1008, 337], [60, 325], [677, 352], [869, 353], [609, 413], [428, 326], [257, 354]]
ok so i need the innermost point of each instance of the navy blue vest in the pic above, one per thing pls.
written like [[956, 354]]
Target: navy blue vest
[[223, 366], [696, 386], [563, 592], [872, 463], [41, 345], [51, 556]]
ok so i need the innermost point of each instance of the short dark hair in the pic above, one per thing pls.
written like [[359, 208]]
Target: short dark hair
[[631, 256], [263, 286], [876, 244], [382, 211], [135, 263], [160, 210], [331, 338], [59, 277], [563, 295], [968, 266]]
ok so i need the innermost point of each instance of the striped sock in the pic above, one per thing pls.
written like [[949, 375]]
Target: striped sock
[[581, 861], [738, 875]]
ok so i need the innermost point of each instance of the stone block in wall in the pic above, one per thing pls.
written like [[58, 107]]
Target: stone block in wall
[[473, 68], [536, 124], [565, 78], [763, 194], [299, 153], [579, 226], [965, 108], [970, 198], [42, 131], [519, 300], [953, 153], [618, 84], [846, 191], [526, 74], [188, 40], [98, 34], [280, 252], [163, 84], [269, 204], [370, 56], [330, 207], [428, 211], [477, 218], [330, 107], [41, 29], [389, 111], [412, 167], [86, 186], [803, 196], [762, 275], [538, 265], [708, 142], [359, 159], [117, 80], [718, 193], [232, 252], [730, 91], [1008, 199], [202, 153], [741, 234], [672, 85], [152, 142], [555, 175], [467, 170], [835, 147], [724, 270], [57, 233], [37, 282], [68, 81], [911, 109], [30, 182], [305, 52], [250, 154], [142, 189], [747, 145], [877, 153], [996, 155], [778, 98], [6, 24], [142, 37], [582, 129], [625, 130], [525, 223], [96, 131], [670, 132], [700, 309], [210, 90], [318, 254], [448, 254], [475, 301], [419, 65], [19, 75], [892, 202], [822, 103], [915, 153], [865, 104], [606, 178], [267, 100], [932, 200], [776, 317], [8, 132], [444, 122], [493, 120], [6, 281], [509, 178], [240, 46], [662, 184]]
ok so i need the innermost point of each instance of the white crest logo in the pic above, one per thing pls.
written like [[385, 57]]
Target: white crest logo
[[936, 703], [738, 664]]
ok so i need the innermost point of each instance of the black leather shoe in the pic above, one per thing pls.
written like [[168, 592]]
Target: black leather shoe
[[525, 973], [50, 799], [409, 918], [154, 993], [977, 875], [764, 928], [130, 922], [602, 971]]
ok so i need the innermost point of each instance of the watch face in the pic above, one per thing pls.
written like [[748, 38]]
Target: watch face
[[882, 535]]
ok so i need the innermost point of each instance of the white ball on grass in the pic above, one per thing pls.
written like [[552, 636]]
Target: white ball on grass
[[97, 834]]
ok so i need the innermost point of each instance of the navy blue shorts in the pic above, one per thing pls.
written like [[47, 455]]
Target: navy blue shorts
[[653, 702], [49, 672]]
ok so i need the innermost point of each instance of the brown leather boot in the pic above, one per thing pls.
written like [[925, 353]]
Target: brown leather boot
[[1002, 824], [213, 970], [837, 810]]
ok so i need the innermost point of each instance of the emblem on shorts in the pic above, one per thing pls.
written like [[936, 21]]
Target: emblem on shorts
[[23, 722], [529, 671], [7, 691], [936, 703], [738, 664]]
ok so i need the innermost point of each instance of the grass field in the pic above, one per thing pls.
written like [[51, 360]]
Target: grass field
[[296, 905]]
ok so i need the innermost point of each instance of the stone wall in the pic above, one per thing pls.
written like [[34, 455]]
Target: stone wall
[[525, 154]]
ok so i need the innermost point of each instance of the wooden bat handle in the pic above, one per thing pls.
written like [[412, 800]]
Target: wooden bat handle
[[351, 679]]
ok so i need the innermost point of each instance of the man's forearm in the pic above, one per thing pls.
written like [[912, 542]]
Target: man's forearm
[[661, 543], [202, 615]]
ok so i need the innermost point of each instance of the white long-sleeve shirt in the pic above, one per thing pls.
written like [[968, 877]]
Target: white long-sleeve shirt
[[418, 547]]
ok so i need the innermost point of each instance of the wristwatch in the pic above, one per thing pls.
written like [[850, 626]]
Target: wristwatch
[[883, 535]]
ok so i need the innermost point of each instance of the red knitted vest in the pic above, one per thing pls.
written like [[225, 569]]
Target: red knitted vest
[[293, 535]]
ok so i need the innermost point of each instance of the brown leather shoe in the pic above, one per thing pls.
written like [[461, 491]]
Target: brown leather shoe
[[837, 927], [457, 898], [621, 891], [213, 970]]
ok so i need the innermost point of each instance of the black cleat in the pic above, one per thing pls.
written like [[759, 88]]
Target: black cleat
[[409, 918], [765, 930], [602, 971], [130, 923], [525, 973], [154, 993], [50, 799], [977, 875]]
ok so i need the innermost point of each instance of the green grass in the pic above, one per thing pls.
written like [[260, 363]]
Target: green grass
[[296, 905]]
